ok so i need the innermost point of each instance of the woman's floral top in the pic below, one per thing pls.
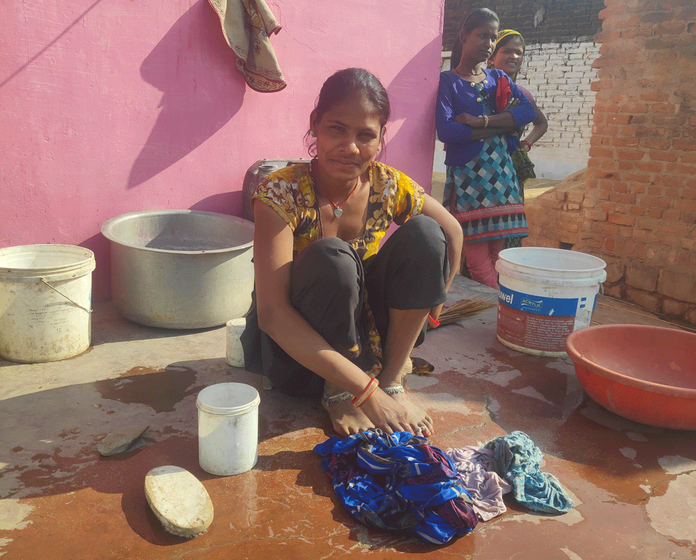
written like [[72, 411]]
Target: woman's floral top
[[394, 197]]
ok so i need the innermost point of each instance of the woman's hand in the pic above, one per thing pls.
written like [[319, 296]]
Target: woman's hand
[[470, 120], [386, 414]]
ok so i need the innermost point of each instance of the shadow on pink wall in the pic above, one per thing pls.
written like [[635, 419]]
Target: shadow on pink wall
[[201, 89]]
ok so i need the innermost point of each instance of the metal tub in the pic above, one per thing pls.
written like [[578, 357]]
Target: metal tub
[[181, 269]]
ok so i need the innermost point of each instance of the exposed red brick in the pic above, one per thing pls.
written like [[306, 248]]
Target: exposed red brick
[[619, 119], [670, 181], [638, 178], [634, 155], [679, 230], [655, 143], [651, 166], [597, 151], [654, 96], [621, 219], [632, 33], [672, 215], [672, 28], [687, 145], [662, 156], [605, 228], [623, 198], [624, 143], [686, 205], [680, 169], [596, 215]]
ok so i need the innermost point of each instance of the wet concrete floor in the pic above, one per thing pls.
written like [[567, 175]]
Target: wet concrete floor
[[634, 486]]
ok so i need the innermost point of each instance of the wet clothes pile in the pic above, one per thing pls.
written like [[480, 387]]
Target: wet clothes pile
[[398, 482]]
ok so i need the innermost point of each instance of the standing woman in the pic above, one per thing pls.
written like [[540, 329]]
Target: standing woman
[[508, 56], [481, 188], [336, 315]]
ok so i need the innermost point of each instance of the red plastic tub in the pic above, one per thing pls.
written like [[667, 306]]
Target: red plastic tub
[[644, 373]]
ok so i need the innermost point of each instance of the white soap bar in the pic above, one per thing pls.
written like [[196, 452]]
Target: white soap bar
[[179, 501]]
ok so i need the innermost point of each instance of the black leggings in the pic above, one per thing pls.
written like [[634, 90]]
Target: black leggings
[[329, 283]]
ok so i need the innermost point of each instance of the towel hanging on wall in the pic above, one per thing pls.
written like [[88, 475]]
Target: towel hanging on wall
[[247, 26]]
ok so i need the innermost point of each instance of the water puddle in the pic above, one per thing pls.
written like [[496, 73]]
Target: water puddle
[[160, 389]]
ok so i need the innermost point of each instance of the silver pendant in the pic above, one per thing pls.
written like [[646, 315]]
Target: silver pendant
[[338, 212]]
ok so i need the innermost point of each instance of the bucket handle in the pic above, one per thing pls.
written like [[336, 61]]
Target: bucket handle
[[66, 297]]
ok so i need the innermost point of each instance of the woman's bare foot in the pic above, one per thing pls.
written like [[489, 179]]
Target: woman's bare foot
[[419, 420], [346, 419], [421, 423]]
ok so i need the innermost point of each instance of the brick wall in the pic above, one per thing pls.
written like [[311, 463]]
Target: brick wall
[[640, 199], [560, 76]]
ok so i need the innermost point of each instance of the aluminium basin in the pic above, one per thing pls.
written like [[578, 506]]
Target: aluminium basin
[[181, 269]]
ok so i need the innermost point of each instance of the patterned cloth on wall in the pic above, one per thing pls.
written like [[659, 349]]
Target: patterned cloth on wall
[[247, 26]]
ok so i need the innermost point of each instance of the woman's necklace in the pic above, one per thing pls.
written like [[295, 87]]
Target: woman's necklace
[[470, 75], [337, 208]]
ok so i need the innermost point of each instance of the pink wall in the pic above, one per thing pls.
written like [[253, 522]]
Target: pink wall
[[108, 107]]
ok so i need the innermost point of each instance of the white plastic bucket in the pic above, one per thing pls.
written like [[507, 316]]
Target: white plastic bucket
[[228, 428], [544, 295], [235, 352], [45, 302]]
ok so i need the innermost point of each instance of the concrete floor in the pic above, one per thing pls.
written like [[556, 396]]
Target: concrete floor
[[634, 486]]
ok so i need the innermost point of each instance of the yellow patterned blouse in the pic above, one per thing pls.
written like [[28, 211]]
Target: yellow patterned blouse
[[394, 197]]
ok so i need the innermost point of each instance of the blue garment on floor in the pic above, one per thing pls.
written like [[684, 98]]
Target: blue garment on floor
[[518, 461], [398, 482]]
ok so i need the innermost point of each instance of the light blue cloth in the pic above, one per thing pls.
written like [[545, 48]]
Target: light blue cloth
[[518, 460]]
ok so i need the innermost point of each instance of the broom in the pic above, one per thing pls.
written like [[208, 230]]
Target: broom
[[461, 310]]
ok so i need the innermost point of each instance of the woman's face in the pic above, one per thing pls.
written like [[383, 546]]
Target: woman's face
[[510, 56], [478, 45], [348, 137]]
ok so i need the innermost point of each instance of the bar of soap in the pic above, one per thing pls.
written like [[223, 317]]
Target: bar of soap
[[179, 501]]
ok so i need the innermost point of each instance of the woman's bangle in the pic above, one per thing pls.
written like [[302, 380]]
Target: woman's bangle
[[485, 121], [366, 394], [529, 146]]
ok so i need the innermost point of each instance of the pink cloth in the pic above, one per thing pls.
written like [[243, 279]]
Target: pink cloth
[[480, 260], [484, 486]]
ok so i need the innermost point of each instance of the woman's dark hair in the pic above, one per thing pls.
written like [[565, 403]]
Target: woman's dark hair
[[348, 83], [476, 18]]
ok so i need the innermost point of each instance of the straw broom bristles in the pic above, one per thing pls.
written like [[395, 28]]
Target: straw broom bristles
[[463, 309]]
